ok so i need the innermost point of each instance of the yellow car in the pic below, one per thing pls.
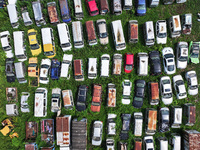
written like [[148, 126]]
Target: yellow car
[[34, 45]]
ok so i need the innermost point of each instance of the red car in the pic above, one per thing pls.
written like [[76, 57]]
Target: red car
[[96, 98], [129, 60], [92, 7]]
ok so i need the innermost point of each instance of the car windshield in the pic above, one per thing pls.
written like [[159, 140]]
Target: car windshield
[[43, 78], [138, 98], [166, 81], [167, 95], [193, 87], [32, 65], [103, 35], [65, 45], [49, 53], [195, 55], [155, 58], [82, 92], [169, 56], [183, 58], [35, 46], [170, 68], [140, 85], [149, 141], [162, 35], [94, 12], [96, 138], [45, 66], [141, 7], [129, 67]]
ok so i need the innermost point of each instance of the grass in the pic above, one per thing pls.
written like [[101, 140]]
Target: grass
[[153, 14]]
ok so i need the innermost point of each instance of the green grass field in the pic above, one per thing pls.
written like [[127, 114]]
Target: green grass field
[[153, 14]]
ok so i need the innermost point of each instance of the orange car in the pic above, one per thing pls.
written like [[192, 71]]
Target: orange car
[[96, 98]]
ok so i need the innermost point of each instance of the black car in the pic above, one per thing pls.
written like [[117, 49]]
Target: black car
[[164, 119], [139, 93], [81, 98], [126, 118], [10, 73], [155, 63]]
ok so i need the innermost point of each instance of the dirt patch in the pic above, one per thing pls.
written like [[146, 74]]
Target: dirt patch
[[180, 9]]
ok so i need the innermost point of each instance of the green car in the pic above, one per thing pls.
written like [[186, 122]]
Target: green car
[[194, 52]]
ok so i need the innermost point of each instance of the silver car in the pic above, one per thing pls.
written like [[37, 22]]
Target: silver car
[[102, 31]]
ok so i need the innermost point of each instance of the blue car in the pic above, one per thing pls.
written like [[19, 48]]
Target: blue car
[[141, 7], [55, 69], [65, 12]]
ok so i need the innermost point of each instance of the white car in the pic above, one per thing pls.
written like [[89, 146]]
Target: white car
[[127, 85], [56, 100], [161, 32], [105, 61], [179, 87], [5, 42], [191, 78], [111, 124], [97, 133], [166, 90], [110, 144], [65, 66], [168, 60], [24, 102], [182, 55], [148, 143], [44, 71]]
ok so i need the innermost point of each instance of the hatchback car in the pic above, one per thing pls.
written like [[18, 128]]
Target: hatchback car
[[194, 49], [141, 7], [168, 60], [10, 73], [182, 55], [127, 85], [126, 119], [129, 62], [179, 87], [155, 63], [166, 90], [139, 93], [161, 32], [92, 7], [55, 69], [97, 133], [34, 44], [81, 98], [148, 143], [44, 71], [164, 119], [102, 31], [191, 78]]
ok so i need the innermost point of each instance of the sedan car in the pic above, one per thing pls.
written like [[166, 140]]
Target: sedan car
[[166, 90], [127, 85], [148, 143], [168, 60], [155, 63], [141, 7], [161, 32], [97, 133], [92, 7], [81, 98], [139, 93], [194, 49], [182, 55], [102, 31], [55, 69], [179, 87], [126, 119], [129, 62], [164, 119], [10, 73], [191, 78], [44, 71]]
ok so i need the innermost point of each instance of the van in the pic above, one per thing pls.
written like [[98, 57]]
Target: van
[[33, 70], [20, 72], [13, 15], [52, 11], [48, 42], [111, 95], [104, 9], [138, 144], [153, 93], [64, 36], [175, 141], [92, 68], [151, 121], [117, 7], [11, 110], [37, 9], [40, 109], [66, 66], [142, 60], [189, 111], [78, 10], [175, 26], [153, 3], [5, 43], [77, 31], [118, 35], [176, 117], [133, 31], [105, 61], [163, 142], [92, 38], [128, 5], [78, 70], [138, 122], [117, 64], [19, 45], [149, 33], [68, 100], [65, 11]]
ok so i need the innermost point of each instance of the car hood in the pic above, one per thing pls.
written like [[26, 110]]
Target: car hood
[[161, 40], [194, 60], [95, 108], [167, 101], [181, 65], [93, 5]]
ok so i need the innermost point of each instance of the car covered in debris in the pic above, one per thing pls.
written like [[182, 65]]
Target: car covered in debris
[[191, 78], [186, 23], [97, 133], [102, 31], [33, 70], [111, 95], [182, 55], [24, 102], [52, 11], [164, 119], [44, 71], [96, 98], [10, 73], [127, 85], [117, 64], [126, 120], [111, 124]]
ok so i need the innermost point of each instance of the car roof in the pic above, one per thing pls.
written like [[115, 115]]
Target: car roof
[[129, 58]]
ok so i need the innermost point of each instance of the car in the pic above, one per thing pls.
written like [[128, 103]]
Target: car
[[102, 31], [56, 100], [161, 32], [127, 85], [111, 124], [5, 43], [155, 63], [166, 90], [168, 60], [92, 7], [110, 144], [191, 78], [55, 69], [44, 71], [179, 87], [97, 133], [81, 98], [182, 55], [141, 7], [10, 73], [194, 48], [148, 143], [24, 102], [139, 93], [25, 15], [33, 70], [96, 98], [123, 146], [129, 62], [186, 20], [126, 119], [164, 119], [34, 44]]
